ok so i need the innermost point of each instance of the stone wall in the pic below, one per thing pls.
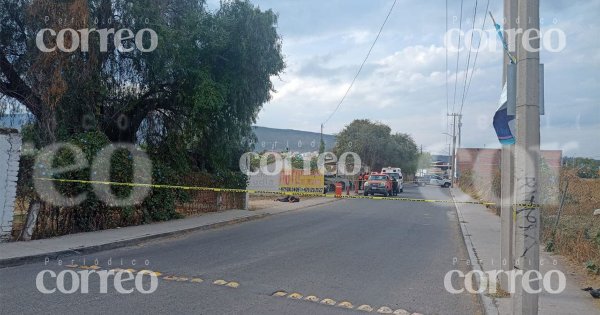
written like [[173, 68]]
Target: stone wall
[[10, 146]]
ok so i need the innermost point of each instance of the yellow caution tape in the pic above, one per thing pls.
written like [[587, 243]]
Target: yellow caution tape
[[291, 193]]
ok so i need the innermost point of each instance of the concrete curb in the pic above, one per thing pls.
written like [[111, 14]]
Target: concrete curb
[[488, 303], [16, 261]]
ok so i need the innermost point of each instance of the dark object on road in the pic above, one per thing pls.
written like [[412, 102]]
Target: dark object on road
[[595, 293], [288, 199]]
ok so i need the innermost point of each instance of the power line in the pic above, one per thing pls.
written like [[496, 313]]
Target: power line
[[362, 64], [447, 93], [476, 54], [446, 46], [457, 55], [462, 103]]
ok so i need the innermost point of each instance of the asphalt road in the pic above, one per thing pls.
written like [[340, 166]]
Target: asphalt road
[[373, 252]]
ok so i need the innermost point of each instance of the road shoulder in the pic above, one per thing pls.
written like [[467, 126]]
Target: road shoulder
[[18, 253]]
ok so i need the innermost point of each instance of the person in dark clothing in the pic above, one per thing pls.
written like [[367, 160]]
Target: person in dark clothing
[[394, 186], [288, 199]]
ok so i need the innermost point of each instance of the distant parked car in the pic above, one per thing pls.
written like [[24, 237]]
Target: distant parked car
[[440, 181], [435, 180]]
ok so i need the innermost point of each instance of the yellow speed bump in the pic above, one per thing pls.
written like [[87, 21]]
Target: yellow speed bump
[[71, 266], [170, 278], [365, 308], [295, 296], [311, 298], [280, 293], [401, 312], [384, 310], [150, 272], [345, 304], [196, 280], [94, 267], [233, 284], [328, 302], [220, 282]]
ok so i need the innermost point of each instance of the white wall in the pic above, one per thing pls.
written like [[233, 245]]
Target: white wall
[[10, 147], [264, 182]]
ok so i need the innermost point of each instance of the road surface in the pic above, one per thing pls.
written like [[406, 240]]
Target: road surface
[[375, 253]]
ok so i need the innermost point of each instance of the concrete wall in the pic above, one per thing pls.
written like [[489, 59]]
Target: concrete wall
[[483, 163], [10, 147]]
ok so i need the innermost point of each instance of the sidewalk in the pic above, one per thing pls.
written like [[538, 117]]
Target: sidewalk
[[481, 231], [16, 253]]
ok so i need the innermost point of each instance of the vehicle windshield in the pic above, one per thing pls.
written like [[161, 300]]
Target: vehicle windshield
[[378, 177]]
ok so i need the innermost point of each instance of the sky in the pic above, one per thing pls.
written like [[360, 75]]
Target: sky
[[403, 83]]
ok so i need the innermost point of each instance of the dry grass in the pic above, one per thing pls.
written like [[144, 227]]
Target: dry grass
[[499, 293], [577, 235]]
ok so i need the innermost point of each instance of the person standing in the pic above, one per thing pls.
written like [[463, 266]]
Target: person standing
[[360, 181]]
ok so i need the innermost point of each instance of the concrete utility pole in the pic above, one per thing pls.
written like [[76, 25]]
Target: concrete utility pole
[[507, 166], [459, 130], [321, 134], [527, 155], [449, 156], [459, 143], [453, 161]]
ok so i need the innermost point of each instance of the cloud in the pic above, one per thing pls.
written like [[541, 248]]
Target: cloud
[[404, 82]]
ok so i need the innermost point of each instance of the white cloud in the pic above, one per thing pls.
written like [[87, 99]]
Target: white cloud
[[403, 83]]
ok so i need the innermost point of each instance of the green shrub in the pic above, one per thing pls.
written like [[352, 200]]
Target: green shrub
[[160, 204]]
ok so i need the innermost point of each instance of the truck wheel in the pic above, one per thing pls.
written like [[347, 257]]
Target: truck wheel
[[446, 185], [401, 190], [366, 193]]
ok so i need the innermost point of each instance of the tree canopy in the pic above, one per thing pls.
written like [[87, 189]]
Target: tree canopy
[[195, 96], [377, 146]]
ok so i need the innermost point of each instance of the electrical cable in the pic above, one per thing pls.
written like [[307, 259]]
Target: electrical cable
[[362, 65]]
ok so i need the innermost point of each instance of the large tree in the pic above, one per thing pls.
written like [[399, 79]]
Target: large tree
[[196, 94], [377, 146]]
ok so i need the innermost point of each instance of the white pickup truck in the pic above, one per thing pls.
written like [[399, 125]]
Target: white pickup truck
[[435, 180]]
